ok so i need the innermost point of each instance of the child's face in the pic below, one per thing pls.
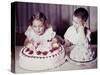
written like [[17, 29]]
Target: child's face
[[77, 21], [38, 27]]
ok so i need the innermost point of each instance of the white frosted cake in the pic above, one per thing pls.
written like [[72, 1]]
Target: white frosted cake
[[41, 58], [81, 54]]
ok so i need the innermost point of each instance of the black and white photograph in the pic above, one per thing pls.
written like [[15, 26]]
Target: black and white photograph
[[53, 37]]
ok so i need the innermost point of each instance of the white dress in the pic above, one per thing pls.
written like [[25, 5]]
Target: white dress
[[81, 51], [43, 39]]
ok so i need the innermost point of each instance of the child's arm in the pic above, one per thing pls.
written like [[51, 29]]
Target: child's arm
[[67, 43], [69, 37], [27, 41], [30, 43], [88, 35], [60, 39], [29, 36], [55, 44]]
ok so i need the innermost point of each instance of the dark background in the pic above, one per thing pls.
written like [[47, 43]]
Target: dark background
[[59, 16]]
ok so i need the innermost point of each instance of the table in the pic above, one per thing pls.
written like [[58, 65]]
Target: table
[[68, 65]]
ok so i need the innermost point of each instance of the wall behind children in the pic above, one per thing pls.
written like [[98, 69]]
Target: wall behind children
[[59, 16]]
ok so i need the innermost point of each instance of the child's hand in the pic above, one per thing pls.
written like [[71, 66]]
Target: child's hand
[[29, 45], [32, 43], [54, 40], [55, 43], [36, 44]]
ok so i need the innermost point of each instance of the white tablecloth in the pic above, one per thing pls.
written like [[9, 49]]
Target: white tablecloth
[[69, 65]]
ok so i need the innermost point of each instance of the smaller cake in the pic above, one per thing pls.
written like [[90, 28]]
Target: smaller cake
[[81, 54]]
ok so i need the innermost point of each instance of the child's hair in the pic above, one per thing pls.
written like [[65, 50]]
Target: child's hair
[[39, 16], [81, 13]]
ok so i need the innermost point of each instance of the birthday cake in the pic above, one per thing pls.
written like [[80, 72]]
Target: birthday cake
[[43, 57]]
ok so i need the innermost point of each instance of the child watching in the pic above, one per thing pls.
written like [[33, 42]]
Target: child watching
[[78, 35]]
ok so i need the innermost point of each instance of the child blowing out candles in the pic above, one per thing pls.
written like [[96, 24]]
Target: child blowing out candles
[[39, 32], [42, 50]]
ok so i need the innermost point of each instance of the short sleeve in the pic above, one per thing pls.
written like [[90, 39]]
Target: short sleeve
[[70, 35], [53, 34], [49, 34], [66, 35]]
